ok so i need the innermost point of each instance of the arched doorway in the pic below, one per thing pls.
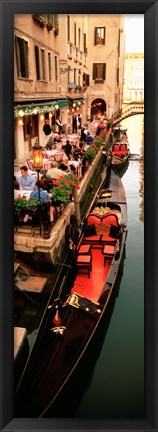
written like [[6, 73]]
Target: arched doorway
[[98, 108]]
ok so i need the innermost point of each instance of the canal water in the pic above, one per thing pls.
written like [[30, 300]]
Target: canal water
[[116, 388]]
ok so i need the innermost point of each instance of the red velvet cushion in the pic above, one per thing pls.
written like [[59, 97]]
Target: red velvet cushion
[[85, 248], [110, 219], [123, 147], [108, 249], [116, 147], [107, 238], [85, 259], [95, 238], [93, 219]]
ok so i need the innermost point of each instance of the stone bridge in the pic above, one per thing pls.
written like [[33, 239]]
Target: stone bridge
[[129, 110]]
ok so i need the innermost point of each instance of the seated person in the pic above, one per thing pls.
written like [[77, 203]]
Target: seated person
[[67, 149], [72, 169], [26, 180], [54, 172], [42, 197], [39, 193], [89, 138], [64, 166]]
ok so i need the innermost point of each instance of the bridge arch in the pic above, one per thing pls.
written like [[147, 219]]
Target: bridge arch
[[98, 108], [130, 110]]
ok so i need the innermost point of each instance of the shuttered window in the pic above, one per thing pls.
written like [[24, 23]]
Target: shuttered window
[[68, 28], [75, 34], [37, 62], [56, 68], [99, 35], [21, 46], [43, 64], [84, 43], [49, 67], [99, 71]]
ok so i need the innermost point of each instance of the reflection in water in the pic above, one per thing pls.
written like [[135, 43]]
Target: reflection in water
[[135, 131]]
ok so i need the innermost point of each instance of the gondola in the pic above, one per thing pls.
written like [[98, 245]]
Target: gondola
[[120, 151], [73, 317]]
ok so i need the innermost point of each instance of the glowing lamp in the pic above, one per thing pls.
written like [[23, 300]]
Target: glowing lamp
[[37, 156], [42, 117], [35, 111], [56, 107], [21, 113], [20, 122]]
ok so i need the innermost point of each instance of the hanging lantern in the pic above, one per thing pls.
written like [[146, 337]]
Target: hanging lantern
[[21, 113], [37, 156], [20, 122], [42, 117], [56, 107], [35, 111]]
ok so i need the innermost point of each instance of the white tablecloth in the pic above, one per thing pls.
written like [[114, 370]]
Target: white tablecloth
[[22, 193]]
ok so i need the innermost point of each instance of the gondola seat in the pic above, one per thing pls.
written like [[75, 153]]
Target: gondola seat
[[93, 219], [116, 147], [109, 220], [108, 252], [93, 240], [123, 148], [84, 249], [84, 262]]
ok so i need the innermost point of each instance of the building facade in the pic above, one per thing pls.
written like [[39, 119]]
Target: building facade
[[133, 90], [105, 64], [64, 65]]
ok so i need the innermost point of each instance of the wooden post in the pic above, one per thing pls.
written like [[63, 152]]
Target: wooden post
[[77, 207]]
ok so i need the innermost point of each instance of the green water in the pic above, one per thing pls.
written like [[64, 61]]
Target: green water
[[116, 389]]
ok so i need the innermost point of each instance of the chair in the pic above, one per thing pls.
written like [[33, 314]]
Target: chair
[[109, 219], [84, 262], [108, 252]]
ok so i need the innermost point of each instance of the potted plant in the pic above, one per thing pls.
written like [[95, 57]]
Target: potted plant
[[91, 152], [99, 141], [22, 206], [63, 189]]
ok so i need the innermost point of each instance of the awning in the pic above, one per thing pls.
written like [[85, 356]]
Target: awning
[[77, 100], [63, 103], [21, 110]]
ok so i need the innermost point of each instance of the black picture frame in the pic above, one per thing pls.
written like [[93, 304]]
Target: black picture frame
[[8, 9]]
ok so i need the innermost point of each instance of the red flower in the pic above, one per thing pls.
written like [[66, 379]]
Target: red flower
[[77, 187], [19, 196], [60, 186], [54, 182], [68, 192]]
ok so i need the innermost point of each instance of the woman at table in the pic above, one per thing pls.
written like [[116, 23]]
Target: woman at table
[[26, 180], [64, 166]]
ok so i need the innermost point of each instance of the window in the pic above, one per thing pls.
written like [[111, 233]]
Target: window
[[99, 36], [75, 75], [68, 28], [79, 37], [117, 73], [99, 71], [49, 67], [75, 34], [84, 43], [37, 62], [21, 46], [42, 64], [56, 68]]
